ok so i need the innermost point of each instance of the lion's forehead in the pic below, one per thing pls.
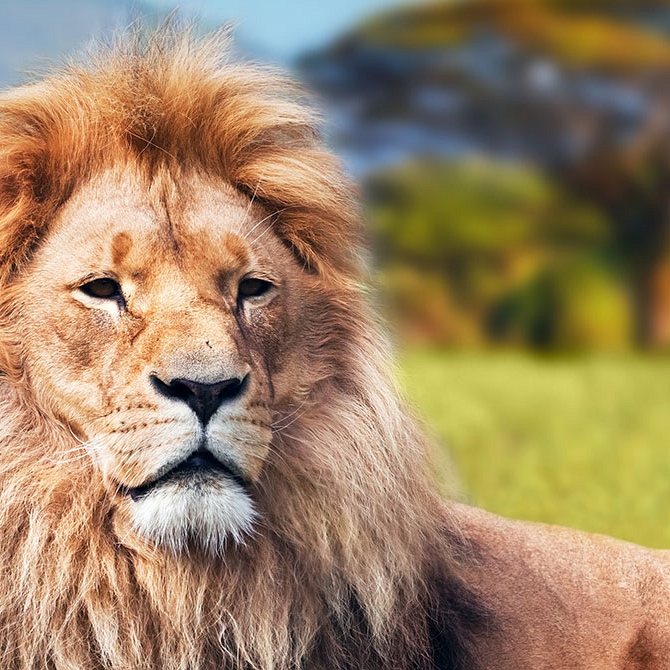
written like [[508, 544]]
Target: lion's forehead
[[137, 226]]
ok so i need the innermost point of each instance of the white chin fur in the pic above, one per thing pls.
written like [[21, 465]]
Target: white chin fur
[[209, 515]]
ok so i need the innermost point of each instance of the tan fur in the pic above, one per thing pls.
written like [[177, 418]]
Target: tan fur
[[179, 173]]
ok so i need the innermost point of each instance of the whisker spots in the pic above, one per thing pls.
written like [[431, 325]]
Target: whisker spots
[[141, 425]]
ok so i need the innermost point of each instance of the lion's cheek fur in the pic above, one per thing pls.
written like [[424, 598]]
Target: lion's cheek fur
[[51, 333]]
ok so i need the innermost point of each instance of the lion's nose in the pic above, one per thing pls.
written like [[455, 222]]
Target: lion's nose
[[203, 399]]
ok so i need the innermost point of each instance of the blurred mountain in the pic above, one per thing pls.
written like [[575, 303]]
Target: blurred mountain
[[36, 33]]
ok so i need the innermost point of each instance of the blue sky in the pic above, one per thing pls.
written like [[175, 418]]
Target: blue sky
[[282, 29], [36, 31]]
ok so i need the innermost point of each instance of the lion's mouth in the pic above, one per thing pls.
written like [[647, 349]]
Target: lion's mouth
[[198, 468]]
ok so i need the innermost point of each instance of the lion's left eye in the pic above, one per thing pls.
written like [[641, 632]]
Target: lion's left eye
[[251, 287]]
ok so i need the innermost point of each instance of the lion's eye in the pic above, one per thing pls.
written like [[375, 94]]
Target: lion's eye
[[252, 287], [102, 288]]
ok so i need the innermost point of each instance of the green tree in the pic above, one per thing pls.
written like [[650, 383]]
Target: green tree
[[502, 253], [560, 101]]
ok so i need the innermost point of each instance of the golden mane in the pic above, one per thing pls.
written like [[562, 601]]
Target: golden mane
[[354, 564]]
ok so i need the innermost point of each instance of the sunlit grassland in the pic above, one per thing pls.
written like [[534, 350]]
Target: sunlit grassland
[[583, 442]]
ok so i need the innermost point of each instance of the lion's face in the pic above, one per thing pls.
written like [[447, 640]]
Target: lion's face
[[158, 331]]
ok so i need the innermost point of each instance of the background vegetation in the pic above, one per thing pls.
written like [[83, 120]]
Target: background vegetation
[[515, 156]]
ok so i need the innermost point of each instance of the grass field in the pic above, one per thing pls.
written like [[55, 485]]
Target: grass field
[[583, 442]]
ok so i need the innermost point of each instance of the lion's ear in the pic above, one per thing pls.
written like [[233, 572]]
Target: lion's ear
[[17, 226], [19, 212], [320, 245], [26, 181]]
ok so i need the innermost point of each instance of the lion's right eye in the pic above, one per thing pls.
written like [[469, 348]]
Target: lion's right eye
[[252, 287], [104, 288]]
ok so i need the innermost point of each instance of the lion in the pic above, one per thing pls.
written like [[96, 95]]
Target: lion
[[205, 462]]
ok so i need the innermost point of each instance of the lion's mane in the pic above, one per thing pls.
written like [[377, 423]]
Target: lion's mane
[[353, 564]]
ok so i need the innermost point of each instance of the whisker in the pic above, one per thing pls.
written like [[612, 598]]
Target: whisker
[[281, 429], [63, 461], [83, 450], [263, 220], [251, 202], [79, 448], [149, 143], [290, 414], [261, 235]]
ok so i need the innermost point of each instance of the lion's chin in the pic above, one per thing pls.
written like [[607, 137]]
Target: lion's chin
[[207, 513]]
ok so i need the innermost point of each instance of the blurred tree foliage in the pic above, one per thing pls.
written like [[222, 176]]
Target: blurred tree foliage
[[476, 250], [574, 255]]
